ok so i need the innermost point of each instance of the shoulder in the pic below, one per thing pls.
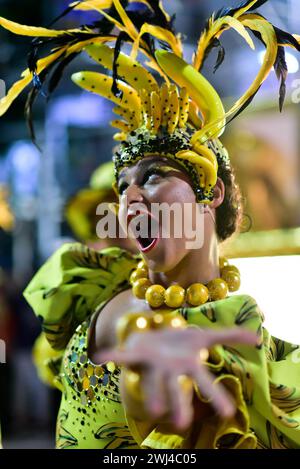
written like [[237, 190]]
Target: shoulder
[[233, 311]]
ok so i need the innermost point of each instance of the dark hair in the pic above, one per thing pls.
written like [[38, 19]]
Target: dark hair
[[229, 213]]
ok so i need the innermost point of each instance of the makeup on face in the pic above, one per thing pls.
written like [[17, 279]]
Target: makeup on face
[[146, 173]]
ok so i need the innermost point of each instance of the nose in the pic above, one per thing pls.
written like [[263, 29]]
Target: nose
[[133, 194]]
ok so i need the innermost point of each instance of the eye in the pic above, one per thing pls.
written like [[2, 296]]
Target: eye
[[153, 175]]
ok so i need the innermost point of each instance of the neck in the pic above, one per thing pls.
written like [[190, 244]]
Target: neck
[[206, 259]]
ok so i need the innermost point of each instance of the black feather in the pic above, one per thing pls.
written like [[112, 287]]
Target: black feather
[[281, 70], [286, 38], [31, 97], [63, 14], [58, 72], [221, 55], [120, 39], [230, 11]]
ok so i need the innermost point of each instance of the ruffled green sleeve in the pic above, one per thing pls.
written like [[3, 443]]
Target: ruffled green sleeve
[[264, 382], [72, 283]]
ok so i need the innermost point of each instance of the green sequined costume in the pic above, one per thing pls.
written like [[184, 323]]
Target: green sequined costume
[[265, 381]]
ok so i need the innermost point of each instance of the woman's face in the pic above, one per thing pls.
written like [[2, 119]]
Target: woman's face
[[151, 181]]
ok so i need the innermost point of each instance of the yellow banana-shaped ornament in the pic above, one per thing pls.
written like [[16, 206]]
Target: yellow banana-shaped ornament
[[146, 108], [173, 111], [120, 136], [200, 90], [156, 111], [201, 163], [101, 84], [129, 116], [121, 125], [183, 107], [207, 153], [164, 99], [129, 70]]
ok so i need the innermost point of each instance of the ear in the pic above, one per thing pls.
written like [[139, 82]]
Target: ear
[[219, 194]]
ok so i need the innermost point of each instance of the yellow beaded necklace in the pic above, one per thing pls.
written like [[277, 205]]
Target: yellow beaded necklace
[[175, 296]]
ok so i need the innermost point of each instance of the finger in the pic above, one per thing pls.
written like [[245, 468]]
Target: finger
[[155, 393], [218, 397], [180, 402], [122, 357], [231, 336]]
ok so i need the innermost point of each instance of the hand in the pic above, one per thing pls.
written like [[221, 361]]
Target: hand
[[164, 355]]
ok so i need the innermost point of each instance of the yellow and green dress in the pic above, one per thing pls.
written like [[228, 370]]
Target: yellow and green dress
[[70, 290]]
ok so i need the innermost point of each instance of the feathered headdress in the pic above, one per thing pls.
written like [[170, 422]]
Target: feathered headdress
[[166, 106]]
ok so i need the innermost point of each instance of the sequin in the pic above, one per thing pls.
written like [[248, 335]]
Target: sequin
[[99, 371], [74, 357], [93, 380], [86, 383], [90, 370], [105, 379], [83, 359]]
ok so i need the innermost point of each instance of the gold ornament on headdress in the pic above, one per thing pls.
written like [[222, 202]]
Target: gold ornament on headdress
[[182, 118]]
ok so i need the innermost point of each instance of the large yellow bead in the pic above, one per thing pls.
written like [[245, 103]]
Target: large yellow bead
[[174, 296], [223, 262], [232, 279], [218, 289], [132, 383], [175, 321], [197, 294], [155, 295], [137, 274], [229, 268], [142, 265], [140, 287], [131, 322]]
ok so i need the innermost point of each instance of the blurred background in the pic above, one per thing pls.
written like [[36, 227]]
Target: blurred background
[[75, 139]]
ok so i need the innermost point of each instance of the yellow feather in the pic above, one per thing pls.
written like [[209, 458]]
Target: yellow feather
[[23, 30], [269, 37], [244, 9], [239, 28], [20, 85], [92, 4], [297, 37], [215, 29], [130, 28], [161, 34]]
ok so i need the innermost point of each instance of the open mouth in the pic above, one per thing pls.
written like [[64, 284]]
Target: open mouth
[[145, 230]]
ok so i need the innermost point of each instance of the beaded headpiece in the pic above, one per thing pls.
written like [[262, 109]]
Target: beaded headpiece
[[183, 117]]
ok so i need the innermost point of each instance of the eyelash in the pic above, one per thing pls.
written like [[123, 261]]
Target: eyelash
[[150, 172], [156, 171]]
